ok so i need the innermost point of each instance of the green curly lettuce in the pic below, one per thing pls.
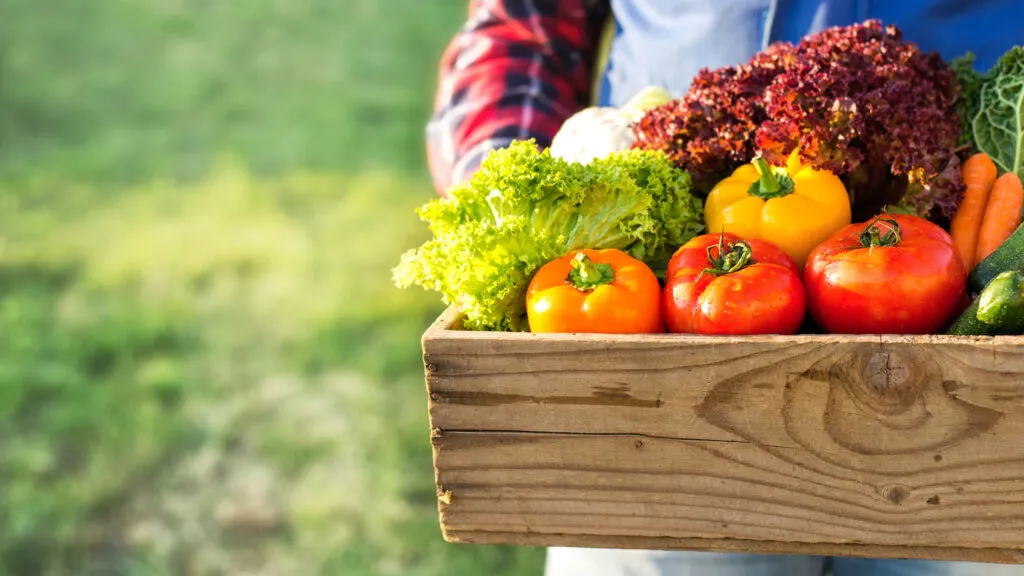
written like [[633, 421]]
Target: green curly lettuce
[[524, 208], [993, 108]]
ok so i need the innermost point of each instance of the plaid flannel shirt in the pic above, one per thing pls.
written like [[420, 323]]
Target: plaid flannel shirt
[[516, 70]]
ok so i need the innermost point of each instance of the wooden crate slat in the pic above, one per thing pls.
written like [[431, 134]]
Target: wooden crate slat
[[683, 488]]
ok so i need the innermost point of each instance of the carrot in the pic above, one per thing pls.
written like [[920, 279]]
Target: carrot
[[1002, 214], [979, 174]]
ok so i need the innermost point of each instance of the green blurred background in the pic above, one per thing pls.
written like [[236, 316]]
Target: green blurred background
[[204, 368]]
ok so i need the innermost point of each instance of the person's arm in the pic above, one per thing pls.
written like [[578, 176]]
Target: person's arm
[[515, 71]]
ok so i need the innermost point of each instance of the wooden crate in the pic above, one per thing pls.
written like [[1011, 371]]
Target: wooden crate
[[875, 446]]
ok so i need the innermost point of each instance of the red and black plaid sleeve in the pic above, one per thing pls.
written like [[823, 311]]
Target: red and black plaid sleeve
[[516, 70]]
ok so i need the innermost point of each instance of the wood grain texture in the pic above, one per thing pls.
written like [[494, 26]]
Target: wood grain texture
[[885, 446]]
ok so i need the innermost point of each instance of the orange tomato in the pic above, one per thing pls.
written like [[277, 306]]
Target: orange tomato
[[599, 291]]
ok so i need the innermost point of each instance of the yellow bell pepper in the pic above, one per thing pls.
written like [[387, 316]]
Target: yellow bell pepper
[[796, 208]]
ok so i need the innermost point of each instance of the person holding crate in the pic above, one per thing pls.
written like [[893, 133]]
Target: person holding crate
[[519, 68]]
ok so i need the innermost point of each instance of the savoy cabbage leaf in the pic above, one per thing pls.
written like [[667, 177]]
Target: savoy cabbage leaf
[[994, 108]]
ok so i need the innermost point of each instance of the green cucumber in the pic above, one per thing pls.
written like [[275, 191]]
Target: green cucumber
[[999, 309], [969, 325], [1008, 256], [1001, 303]]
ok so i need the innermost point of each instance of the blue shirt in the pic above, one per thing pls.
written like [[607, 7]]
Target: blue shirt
[[666, 42]]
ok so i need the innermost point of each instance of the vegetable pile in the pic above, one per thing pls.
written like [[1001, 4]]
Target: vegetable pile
[[849, 183]]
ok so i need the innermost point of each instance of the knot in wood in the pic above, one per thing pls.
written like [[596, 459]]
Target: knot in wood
[[893, 399], [887, 381], [886, 372], [895, 493]]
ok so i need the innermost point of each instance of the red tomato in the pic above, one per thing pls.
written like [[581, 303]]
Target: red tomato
[[720, 284], [896, 274]]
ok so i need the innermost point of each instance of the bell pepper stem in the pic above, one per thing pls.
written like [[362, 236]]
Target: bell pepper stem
[[586, 275], [588, 272], [769, 184]]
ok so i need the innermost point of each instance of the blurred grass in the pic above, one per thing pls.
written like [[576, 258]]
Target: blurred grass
[[203, 366]]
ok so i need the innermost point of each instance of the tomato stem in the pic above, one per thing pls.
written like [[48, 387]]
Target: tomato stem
[[738, 257], [874, 236], [585, 275], [769, 184]]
